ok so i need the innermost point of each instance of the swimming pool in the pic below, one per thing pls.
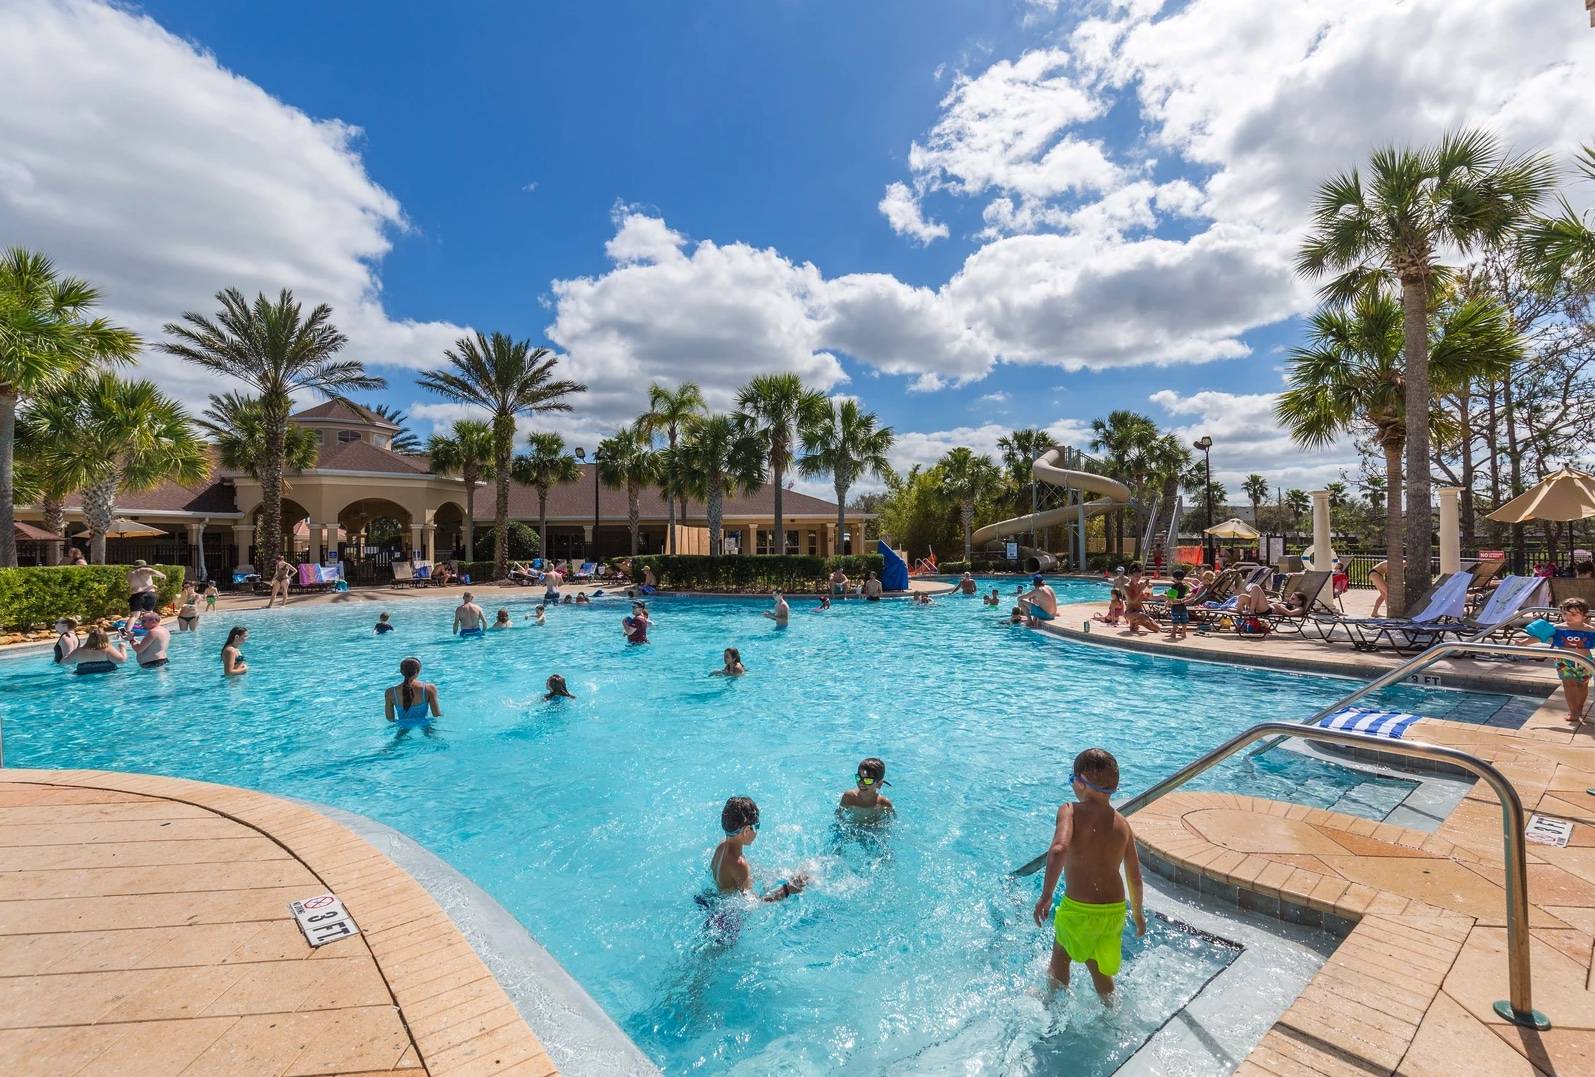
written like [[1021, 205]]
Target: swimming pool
[[592, 820]]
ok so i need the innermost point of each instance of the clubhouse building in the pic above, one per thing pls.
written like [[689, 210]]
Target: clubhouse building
[[366, 505]]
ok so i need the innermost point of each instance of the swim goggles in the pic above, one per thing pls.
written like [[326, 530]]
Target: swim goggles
[[1091, 785], [744, 826], [866, 780]]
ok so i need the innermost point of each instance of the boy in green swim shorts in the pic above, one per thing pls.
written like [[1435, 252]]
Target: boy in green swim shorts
[[1091, 842]]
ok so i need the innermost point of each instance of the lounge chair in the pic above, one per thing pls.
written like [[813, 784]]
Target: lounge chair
[[585, 572], [1511, 596], [1313, 584], [1438, 612], [1480, 586], [404, 574]]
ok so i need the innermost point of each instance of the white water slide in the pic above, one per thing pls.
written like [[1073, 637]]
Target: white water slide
[[1113, 494]]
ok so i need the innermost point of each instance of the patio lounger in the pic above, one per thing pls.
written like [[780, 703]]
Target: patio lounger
[[1313, 583], [1511, 596], [403, 574], [1408, 635]]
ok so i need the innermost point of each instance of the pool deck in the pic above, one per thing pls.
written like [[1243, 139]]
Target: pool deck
[[144, 928], [1410, 988]]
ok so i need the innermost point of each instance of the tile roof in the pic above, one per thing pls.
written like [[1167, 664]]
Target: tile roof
[[343, 409], [364, 456]]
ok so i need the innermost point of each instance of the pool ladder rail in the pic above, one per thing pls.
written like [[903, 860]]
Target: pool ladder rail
[[1518, 1007]]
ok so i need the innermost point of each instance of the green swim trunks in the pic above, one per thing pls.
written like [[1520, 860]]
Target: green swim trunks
[[1091, 932]]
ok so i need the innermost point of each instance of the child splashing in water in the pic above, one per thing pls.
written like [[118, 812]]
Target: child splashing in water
[[1090, 844]]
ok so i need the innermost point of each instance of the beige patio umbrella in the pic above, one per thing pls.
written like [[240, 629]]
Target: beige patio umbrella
[[124, 528], [1233, 528], [1567, 495]]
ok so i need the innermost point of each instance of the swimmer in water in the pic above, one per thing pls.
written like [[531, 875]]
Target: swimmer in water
[[582, 599], [992, 599], [636, 626], [540, 615], [739, 819], [383, 625], [188, 609], [66, 632], [232, 655], [469, 619], [733, 664], [502, 621], [825, 604], [865, 803], [556, 689], [98, 654], [780, 613], [411, 700], [151, 650]]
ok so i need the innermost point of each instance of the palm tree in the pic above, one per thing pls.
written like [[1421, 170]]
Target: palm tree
[[779, 411], [1351, 372], [668, 413], [46, 338], [1298, 503], [1562, 247], [1131, 443], [45, 423], [508, 378], [722, 455], [467, 451], [1337, 493], [276, 351], [237, 426], [626, 461], [847, 446], [1255, 487], [405, 440], [968, 478], [545, 467], [132, 437], [1458, 195], [1019, 450]]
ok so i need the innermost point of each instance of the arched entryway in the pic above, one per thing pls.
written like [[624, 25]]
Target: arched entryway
[[378, 532], [449, 534]]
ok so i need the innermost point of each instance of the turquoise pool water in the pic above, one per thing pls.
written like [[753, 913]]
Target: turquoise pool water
[[592, 820]]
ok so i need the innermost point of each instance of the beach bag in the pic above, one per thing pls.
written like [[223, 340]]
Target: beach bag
[[1252, 626]]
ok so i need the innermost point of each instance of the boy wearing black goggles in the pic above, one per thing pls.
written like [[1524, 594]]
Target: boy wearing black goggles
[[865, 803]]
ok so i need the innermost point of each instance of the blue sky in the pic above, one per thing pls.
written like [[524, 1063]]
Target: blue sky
[[972, 216]]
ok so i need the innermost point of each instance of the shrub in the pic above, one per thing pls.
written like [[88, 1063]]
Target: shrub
[[522, 542], [793, 573], [479, 571], [35, 597]]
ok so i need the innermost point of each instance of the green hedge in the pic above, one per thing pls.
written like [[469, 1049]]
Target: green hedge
[[35, 597], [794, 574]]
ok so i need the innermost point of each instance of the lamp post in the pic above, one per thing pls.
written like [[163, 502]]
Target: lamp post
[[598, 458], [1205, 443]]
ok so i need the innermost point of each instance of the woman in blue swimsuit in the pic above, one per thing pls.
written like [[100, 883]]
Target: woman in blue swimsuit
[[412, 701]]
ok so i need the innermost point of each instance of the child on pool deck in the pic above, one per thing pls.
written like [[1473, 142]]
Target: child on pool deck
[[865, 803], [1179, 613], [1576, 635], [1090, 843], [1115, 608]]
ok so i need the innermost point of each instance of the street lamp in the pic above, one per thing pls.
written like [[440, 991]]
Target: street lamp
[[598, 458], [1205, 443]]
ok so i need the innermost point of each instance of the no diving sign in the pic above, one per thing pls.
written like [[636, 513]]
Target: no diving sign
[[323, 919]]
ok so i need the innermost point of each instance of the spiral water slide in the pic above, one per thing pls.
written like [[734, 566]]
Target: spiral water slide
[[1113, 494]]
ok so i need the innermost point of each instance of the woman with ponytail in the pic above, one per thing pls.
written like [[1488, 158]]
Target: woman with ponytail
[[412, 700]]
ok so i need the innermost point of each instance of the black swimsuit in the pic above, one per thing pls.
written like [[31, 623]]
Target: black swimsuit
[[102, 665]]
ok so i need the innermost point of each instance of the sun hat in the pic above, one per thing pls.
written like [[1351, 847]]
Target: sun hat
[[140, 564]]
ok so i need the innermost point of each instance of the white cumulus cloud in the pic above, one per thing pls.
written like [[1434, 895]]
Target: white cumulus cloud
[[903, 212]]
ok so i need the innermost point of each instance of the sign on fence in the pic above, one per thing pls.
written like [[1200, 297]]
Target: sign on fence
[[1013, 551]]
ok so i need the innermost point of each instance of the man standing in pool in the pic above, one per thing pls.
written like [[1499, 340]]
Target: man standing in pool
[[780, 612], [1090, 843], [636, 624], [469, 620], [732, 875]]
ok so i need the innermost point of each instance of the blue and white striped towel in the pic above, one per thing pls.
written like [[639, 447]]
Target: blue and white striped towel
[[1374, 723]]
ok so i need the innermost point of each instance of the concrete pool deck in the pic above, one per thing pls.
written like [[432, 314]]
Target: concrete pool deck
[[144, 928]]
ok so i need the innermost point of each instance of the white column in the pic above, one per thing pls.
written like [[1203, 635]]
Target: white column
[[431, 541], [1450, 529], [415, 540], [1323, 554], [313, 530], [244, 539]]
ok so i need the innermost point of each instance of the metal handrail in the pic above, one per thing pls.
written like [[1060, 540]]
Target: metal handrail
[[1518, 1007]]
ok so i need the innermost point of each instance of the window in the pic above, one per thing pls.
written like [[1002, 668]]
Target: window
[[346, 436], [765, 542], [814, 543], [792, 546]]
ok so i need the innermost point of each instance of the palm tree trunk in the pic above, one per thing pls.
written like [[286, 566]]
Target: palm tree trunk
[[780, 531], [1395, 579], [1465, 414], [1514, 468], [470, 516], [1419, 525], [99, 509], [503, 446], [634, 511], [714, 517], [542, 521], [675, 483], [55, 523], [268, 533], [966, 510], [841, 515], [8, 509]]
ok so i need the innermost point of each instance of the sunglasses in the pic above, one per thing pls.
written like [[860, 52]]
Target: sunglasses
[[1091, 785]]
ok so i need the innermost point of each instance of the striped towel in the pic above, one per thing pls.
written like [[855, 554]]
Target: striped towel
[[1367, 720]]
